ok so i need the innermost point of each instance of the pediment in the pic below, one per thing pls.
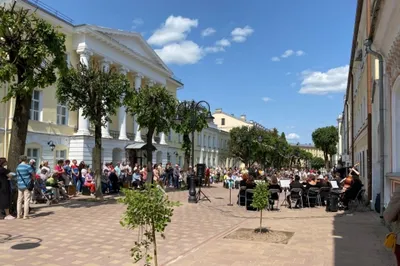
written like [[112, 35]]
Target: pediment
[[135, 42]]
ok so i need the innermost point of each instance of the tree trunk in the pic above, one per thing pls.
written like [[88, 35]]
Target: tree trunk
[[153, 232], [19, 129], [326, 161], [149, 151], [188, 149], [97, 167], [261, 221]]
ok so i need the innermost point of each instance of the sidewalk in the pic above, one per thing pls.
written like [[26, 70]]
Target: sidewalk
[[89, 233]]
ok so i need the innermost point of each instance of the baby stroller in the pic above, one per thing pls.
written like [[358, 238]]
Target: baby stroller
[[41, 193]]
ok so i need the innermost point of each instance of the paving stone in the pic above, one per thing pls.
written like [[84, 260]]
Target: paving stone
[[89, 234]]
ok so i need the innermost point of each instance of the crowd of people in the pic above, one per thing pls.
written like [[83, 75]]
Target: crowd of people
[[68, 178]]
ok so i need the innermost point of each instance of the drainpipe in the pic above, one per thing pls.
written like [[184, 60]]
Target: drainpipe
[[368, 44]]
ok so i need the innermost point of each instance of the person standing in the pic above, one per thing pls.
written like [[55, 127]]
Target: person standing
[[5, 189], [25, 175]]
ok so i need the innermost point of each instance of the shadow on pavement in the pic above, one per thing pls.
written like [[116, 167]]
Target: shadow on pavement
[[20, 242], [358, 240]]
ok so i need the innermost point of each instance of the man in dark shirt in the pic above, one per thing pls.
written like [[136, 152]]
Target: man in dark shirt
[[295, 185]]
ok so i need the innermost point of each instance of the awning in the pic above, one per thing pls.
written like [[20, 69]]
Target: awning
[[139, 146]]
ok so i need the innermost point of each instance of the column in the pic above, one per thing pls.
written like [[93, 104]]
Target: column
[[212, 159], [122, 114], [136, 129], [83, 123], [201, 147], [206, 162], [151, 84], [105, 130], [162, 139], [153, 140], [216, 159]]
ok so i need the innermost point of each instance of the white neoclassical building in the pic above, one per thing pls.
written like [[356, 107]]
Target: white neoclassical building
[[70, 132]]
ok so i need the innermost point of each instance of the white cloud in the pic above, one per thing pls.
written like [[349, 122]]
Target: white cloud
[[175, 29], [219, 61], [186, 52], [292, 136], [214, 49], [208, 32], [293, 84], [290, 127], [241, 34], [137, 22], [288, 73], [275, 59], [287, 53], [300, 53], [223, 42], [332, 81], [266, 99]]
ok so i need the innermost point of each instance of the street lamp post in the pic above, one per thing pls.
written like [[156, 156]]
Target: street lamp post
[[194, 109]]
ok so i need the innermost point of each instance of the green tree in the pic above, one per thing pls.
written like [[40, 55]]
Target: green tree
[[97, 90], [325, 138], [243, 143], [155, 109], [31, 51], [149, 209], [317, 163], [185, 127], [261, 202]]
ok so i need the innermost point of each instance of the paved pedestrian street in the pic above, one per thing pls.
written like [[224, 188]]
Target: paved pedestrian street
[[85, 232]]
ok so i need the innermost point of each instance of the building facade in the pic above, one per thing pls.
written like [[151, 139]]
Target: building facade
[[52, 123], [378, 22], [226, 122]]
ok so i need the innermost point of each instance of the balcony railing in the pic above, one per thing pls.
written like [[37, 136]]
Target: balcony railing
[[50, 10]]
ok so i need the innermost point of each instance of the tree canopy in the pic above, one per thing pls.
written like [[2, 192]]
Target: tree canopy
[[98, 91], [317, 163], [155, 109], [325, 139], [253, 144], [186, 111], [32, 52]]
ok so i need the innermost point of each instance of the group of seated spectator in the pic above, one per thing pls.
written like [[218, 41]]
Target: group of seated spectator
[[310, 191]]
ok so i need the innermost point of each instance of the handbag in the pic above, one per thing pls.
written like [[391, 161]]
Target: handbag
[[390, 241], [29, 186]]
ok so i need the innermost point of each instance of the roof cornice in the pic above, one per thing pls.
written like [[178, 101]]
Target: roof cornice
[[354, 43]]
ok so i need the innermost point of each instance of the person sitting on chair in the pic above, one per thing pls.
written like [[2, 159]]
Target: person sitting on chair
[[353, 190], [274, 196], [295, 184]]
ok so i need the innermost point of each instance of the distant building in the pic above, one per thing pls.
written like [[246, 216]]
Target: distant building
[[226, 121], [311, 149]]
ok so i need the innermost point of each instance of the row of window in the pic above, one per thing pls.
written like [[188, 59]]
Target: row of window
[[62, 119], [36, 109], [34, 153]]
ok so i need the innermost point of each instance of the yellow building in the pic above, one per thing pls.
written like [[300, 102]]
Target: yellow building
[[71, 133], [226, 121], [311, 149]]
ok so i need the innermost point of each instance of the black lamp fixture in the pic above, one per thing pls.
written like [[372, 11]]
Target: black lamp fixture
[[195, 109], [51, 145]]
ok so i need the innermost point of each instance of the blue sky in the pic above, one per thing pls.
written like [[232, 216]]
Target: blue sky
[[282, 63]]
